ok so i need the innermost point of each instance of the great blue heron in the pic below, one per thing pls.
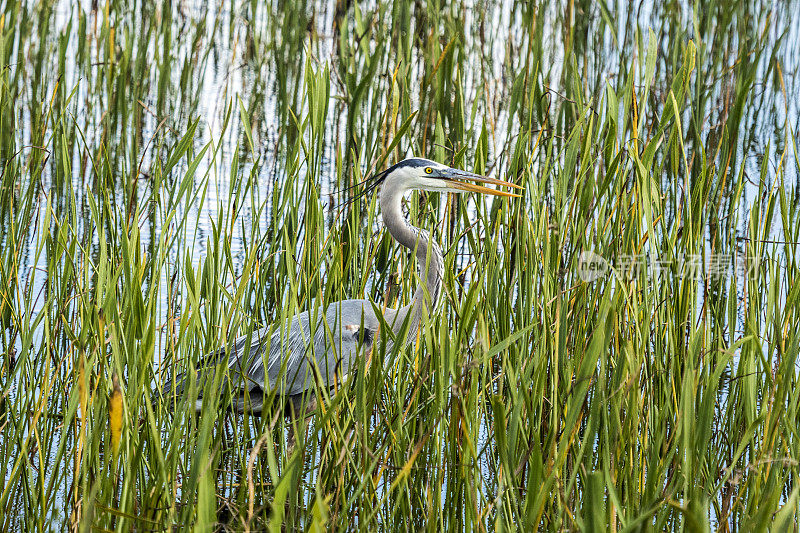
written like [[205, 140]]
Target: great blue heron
[[291, 357]]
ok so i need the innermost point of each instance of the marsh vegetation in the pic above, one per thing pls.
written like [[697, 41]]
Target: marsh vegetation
[[173, 176]]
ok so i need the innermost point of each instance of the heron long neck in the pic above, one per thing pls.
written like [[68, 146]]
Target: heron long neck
[[430, 262]]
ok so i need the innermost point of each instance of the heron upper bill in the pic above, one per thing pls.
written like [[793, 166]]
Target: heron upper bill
[[471, 187]]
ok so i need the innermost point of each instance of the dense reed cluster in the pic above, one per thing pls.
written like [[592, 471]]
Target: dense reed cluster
[[617, 349]]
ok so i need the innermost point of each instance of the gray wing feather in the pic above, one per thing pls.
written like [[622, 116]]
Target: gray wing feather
[[295, 356]]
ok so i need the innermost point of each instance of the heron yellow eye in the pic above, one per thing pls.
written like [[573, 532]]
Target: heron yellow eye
[[428, 170]]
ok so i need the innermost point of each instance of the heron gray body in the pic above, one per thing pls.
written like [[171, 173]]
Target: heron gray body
[[292, 357]]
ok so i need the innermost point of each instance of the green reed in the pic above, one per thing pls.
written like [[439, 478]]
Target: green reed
[[141, 229]]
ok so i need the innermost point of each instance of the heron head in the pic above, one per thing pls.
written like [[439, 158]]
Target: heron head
[[424, 174]]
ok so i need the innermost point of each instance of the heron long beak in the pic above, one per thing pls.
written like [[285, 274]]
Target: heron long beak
[[453, 177]]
